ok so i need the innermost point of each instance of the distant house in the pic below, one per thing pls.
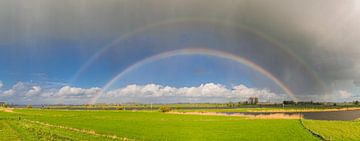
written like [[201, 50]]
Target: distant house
[[253, 100]]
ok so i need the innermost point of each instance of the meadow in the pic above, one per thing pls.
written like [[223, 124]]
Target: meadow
[[44, 124]]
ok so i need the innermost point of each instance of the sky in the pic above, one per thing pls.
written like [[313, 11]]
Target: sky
[[168, 51]]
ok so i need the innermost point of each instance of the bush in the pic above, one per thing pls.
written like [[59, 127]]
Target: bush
[[29, 106], [120, 108], [164, 109], [4, 105]]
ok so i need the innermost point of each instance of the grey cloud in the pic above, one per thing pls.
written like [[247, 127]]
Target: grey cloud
[[357, 83], [322, 33]]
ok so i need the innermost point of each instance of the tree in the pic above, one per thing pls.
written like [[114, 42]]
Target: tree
[[356, 102], [164, 109]]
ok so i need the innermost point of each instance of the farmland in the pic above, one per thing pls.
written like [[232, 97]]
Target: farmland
[[335, 130], [43, 124]]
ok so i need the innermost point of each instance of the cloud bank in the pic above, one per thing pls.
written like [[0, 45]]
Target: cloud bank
[[27, 93], [209, 92]]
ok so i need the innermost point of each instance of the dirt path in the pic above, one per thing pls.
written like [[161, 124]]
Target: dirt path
[[8, 110]]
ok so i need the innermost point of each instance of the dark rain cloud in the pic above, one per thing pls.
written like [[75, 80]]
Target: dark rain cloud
[[323, 34]]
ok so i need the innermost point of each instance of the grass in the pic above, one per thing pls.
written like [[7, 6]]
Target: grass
[[271, 109], [335, 130], [145, 126], [221, 107], [13, 129], [7, 132]]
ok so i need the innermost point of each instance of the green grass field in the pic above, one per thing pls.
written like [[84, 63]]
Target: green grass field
[[335, 130], [36, 124]]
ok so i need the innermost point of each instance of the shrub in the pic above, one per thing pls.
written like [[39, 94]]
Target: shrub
[[164, 109], [4, 105], [120, 108], [29, 106]]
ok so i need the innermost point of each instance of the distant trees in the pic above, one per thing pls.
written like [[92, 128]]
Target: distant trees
[[230, 104], [29, 106], [3, 104], [356, 102], [120, 107], [290, 102], [164, 109]]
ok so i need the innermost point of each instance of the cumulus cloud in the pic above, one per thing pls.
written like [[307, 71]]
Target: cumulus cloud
[[18, 87], [23, 93], [33, 91], [201, 93], [1, 84], [68, 91]]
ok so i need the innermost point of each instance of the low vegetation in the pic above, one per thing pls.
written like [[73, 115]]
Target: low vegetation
[[128, 125], [164, 109], [119, 124], [335, 130]]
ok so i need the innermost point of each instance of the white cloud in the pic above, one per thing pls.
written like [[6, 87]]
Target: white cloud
[[243, 91], [68, 91], [209, 90], [16, 88], [1, 84], [344, 94], [33, 91], [8, 92], [337, 96]]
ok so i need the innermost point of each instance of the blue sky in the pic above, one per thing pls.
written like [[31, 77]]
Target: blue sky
[[193, 70], [45, 45], [55, 64]]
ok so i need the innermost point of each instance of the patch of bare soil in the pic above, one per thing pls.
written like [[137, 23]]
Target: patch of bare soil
[[8, 110]]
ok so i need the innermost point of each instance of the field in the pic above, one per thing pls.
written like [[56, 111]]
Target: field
[[42, 124], [335, 130]]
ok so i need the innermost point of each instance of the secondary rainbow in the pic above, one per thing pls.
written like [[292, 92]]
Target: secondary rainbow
[[196, 51], [216, 22]]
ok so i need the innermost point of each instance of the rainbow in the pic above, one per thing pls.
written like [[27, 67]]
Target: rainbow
[[216, 22], [196, 51]]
